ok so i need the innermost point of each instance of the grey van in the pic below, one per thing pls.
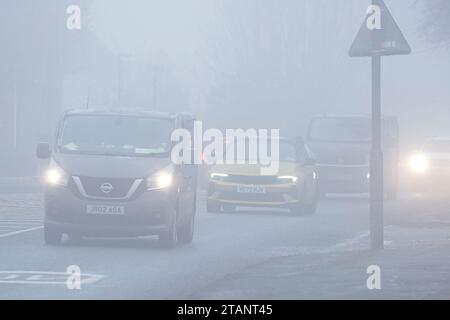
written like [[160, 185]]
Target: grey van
[[341, 144], [110, 174]]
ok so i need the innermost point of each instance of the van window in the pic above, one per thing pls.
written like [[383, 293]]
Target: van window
[[351, 129], [115, 135]]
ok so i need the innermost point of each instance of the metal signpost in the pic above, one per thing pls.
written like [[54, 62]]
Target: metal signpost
[[379, 36]]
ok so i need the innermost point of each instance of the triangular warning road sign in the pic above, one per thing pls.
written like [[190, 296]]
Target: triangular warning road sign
[[385, 39]]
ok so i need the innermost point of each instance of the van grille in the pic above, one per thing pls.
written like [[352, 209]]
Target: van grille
[[106, 187]]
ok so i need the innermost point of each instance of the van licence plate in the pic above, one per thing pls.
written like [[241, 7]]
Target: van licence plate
[[105, 209], [251, 189], [340, 176]]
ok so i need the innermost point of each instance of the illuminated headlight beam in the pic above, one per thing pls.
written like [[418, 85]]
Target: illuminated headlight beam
[[419, 163]]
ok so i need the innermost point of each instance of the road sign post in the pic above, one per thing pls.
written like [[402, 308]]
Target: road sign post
[[376, 161], [379, 36]]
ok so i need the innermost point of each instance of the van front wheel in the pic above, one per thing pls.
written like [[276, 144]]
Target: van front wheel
[[52, 236], [186, 232], [169, 237]]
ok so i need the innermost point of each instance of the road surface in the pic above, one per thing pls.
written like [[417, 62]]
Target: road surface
[[224, 244]]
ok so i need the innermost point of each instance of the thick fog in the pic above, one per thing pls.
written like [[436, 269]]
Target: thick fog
[[233, 63], [259, 63], [129, 204]]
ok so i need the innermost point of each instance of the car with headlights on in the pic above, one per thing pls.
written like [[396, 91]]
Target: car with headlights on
[[429, 167], [110, 174], [243, 185]]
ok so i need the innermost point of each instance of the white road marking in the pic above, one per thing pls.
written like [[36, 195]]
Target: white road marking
[[20, 213], [19, 232], [11, 229], [19, 224], [15, 219], [45, 277]]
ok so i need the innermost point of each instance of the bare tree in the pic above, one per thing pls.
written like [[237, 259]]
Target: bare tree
[[274, 61], [436, 21]]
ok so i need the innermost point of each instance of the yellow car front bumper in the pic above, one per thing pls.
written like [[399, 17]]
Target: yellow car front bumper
[[271, 195]]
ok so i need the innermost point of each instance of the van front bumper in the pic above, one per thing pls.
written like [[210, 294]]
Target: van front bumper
[[343, 178], [150, 213]]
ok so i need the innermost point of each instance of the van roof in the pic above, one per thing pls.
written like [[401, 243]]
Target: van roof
[[348, 115], [121, 112]]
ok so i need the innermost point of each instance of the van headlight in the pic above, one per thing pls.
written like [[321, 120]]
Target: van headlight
[[161, 180], [288, 179], [419, 163], [56, 176]]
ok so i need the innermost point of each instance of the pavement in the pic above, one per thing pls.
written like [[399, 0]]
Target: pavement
[[409, 269], [19, 185], [250, 254], [20, 213], [415, 263]]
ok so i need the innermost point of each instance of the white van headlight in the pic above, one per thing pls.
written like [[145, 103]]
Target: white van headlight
[[56, 176], [419, 163], [161, 180]]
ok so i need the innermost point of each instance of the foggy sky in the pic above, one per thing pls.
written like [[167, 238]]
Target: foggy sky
[[415, 87]]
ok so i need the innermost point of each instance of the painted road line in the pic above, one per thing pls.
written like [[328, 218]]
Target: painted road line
[[25, 220], [5, 235], [12, 228], [8, 230], [45, 277], [21, 223]]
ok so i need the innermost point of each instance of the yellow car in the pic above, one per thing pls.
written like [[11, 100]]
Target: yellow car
[[242, 185]]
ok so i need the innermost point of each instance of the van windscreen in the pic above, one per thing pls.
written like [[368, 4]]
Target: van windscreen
[[355, 129], [115, 135]]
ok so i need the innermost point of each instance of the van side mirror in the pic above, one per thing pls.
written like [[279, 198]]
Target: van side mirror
[[43, 150]]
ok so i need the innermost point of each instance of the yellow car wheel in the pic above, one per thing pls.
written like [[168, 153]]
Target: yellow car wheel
[[229, 208]]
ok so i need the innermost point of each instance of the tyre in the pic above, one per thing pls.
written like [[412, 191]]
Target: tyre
[[298, 209], [186, 232], [52, 236], [229, 209], [301, 207], [169, 238], [311, 208], [212, 207], [75, 237]]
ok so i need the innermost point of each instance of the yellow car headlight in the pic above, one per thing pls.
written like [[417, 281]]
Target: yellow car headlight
[[288, 179]]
